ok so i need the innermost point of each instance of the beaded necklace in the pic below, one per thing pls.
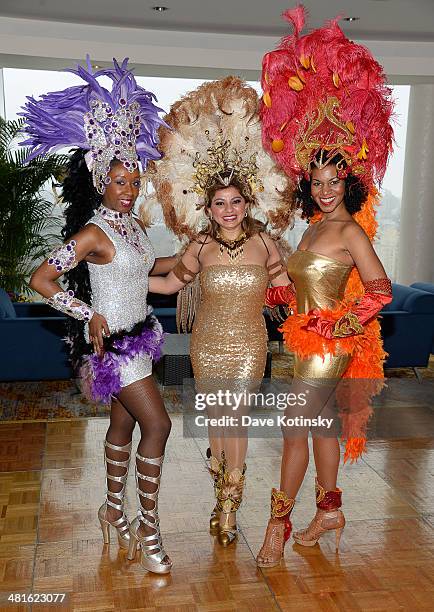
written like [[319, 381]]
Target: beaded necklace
[[124, 225], [234, 248]]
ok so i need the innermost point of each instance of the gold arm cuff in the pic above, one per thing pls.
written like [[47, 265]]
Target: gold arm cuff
[[347, 325]]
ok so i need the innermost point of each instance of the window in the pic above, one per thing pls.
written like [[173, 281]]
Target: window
[[19, 83]]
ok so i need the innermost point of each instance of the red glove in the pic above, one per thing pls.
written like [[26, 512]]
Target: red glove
[[351, 323], [275, 296]]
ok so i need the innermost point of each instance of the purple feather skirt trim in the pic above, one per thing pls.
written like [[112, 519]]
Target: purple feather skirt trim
[[101, 376]]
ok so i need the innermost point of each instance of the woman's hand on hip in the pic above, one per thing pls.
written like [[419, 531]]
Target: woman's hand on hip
[[98, 329]]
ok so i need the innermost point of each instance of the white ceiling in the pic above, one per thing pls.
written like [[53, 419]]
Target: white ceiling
[[411, 20]]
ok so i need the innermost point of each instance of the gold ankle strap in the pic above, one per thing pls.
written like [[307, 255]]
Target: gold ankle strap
[[281, 504]]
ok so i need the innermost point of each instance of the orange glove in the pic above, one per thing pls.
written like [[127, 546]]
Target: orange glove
[[351, 323]]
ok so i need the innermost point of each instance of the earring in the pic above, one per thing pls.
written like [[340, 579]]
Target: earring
[[245, 214]]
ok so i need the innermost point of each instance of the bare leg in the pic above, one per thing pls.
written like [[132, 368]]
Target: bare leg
[[327, 455], [295, 457], [326, 449], [295, 460]]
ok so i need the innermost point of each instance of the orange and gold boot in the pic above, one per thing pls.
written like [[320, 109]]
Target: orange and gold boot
[[278, 530], [328, 517], [216, 469]]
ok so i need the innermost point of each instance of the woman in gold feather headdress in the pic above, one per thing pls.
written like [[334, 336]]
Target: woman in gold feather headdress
[[213, 178]]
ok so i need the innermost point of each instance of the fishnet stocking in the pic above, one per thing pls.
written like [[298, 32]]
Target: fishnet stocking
[[143, 401]]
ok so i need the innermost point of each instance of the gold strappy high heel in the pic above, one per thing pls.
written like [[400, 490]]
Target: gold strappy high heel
[[230, 499], [216, 469], [121, 524], [278, 530], [328, 517], [152, 552]]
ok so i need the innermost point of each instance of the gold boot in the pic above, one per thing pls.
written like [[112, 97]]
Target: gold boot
[[328, 517], [216, 469], [278, 530], [231, 495], [121, 524]]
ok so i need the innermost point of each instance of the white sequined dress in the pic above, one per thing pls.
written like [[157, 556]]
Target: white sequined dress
[[120, 290]]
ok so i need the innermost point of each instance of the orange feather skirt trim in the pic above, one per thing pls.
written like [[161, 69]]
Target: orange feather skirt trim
[[364, 373]]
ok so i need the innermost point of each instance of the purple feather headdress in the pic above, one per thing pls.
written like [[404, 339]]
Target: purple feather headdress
[[121, 124]]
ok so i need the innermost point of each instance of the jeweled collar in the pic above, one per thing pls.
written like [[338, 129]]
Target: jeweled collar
[[113, 215]]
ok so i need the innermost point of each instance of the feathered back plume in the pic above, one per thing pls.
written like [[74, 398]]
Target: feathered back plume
[[299, 81], [224, 111], [121, 123]]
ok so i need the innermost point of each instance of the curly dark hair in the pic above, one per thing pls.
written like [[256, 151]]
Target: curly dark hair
[[82, 199], [354, 198]]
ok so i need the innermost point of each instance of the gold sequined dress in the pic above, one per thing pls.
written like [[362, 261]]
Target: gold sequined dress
[[320, 283], [229, 337]]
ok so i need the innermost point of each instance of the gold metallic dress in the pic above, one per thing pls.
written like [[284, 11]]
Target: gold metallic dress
[[229, 337], [319, 282]]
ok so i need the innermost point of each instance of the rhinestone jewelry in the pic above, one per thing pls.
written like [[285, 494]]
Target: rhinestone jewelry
[[124, 225], [63, 257]]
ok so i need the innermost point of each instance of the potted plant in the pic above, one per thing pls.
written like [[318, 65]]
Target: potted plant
[[27, 224]]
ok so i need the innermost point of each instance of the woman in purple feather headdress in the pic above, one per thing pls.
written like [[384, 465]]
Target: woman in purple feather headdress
[[106, 259]]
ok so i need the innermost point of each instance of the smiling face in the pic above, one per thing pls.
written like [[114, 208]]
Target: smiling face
[[228, 208], [327, 189], [123, 190]]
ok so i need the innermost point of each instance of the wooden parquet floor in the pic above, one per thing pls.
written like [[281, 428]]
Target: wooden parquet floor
[[52, 483]]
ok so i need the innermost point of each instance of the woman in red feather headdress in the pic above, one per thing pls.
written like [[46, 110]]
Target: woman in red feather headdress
[[326, 119]]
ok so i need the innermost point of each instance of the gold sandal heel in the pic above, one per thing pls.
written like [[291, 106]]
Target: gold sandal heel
[[278, 530], [328, 517]]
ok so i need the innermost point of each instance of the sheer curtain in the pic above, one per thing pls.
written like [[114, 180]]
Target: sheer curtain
[[416, 252]]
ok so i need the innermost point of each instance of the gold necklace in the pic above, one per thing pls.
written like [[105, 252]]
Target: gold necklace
[[234, 248]]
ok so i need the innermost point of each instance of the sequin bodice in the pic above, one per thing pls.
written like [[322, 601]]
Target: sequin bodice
[[120, 288], [233, 295], [229, 337], [319, 280]]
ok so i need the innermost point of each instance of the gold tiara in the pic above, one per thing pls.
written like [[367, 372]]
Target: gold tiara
[[325, 133], [224, 163]]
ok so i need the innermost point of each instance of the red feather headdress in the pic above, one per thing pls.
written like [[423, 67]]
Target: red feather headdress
[[325, 92]]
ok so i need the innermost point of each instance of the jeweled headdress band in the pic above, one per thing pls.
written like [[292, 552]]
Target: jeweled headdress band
[[111, 136], [223, 159], [118, 124]]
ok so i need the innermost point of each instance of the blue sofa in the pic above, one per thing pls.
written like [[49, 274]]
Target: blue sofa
[[31, 345], [429, 287], [407, 327]]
